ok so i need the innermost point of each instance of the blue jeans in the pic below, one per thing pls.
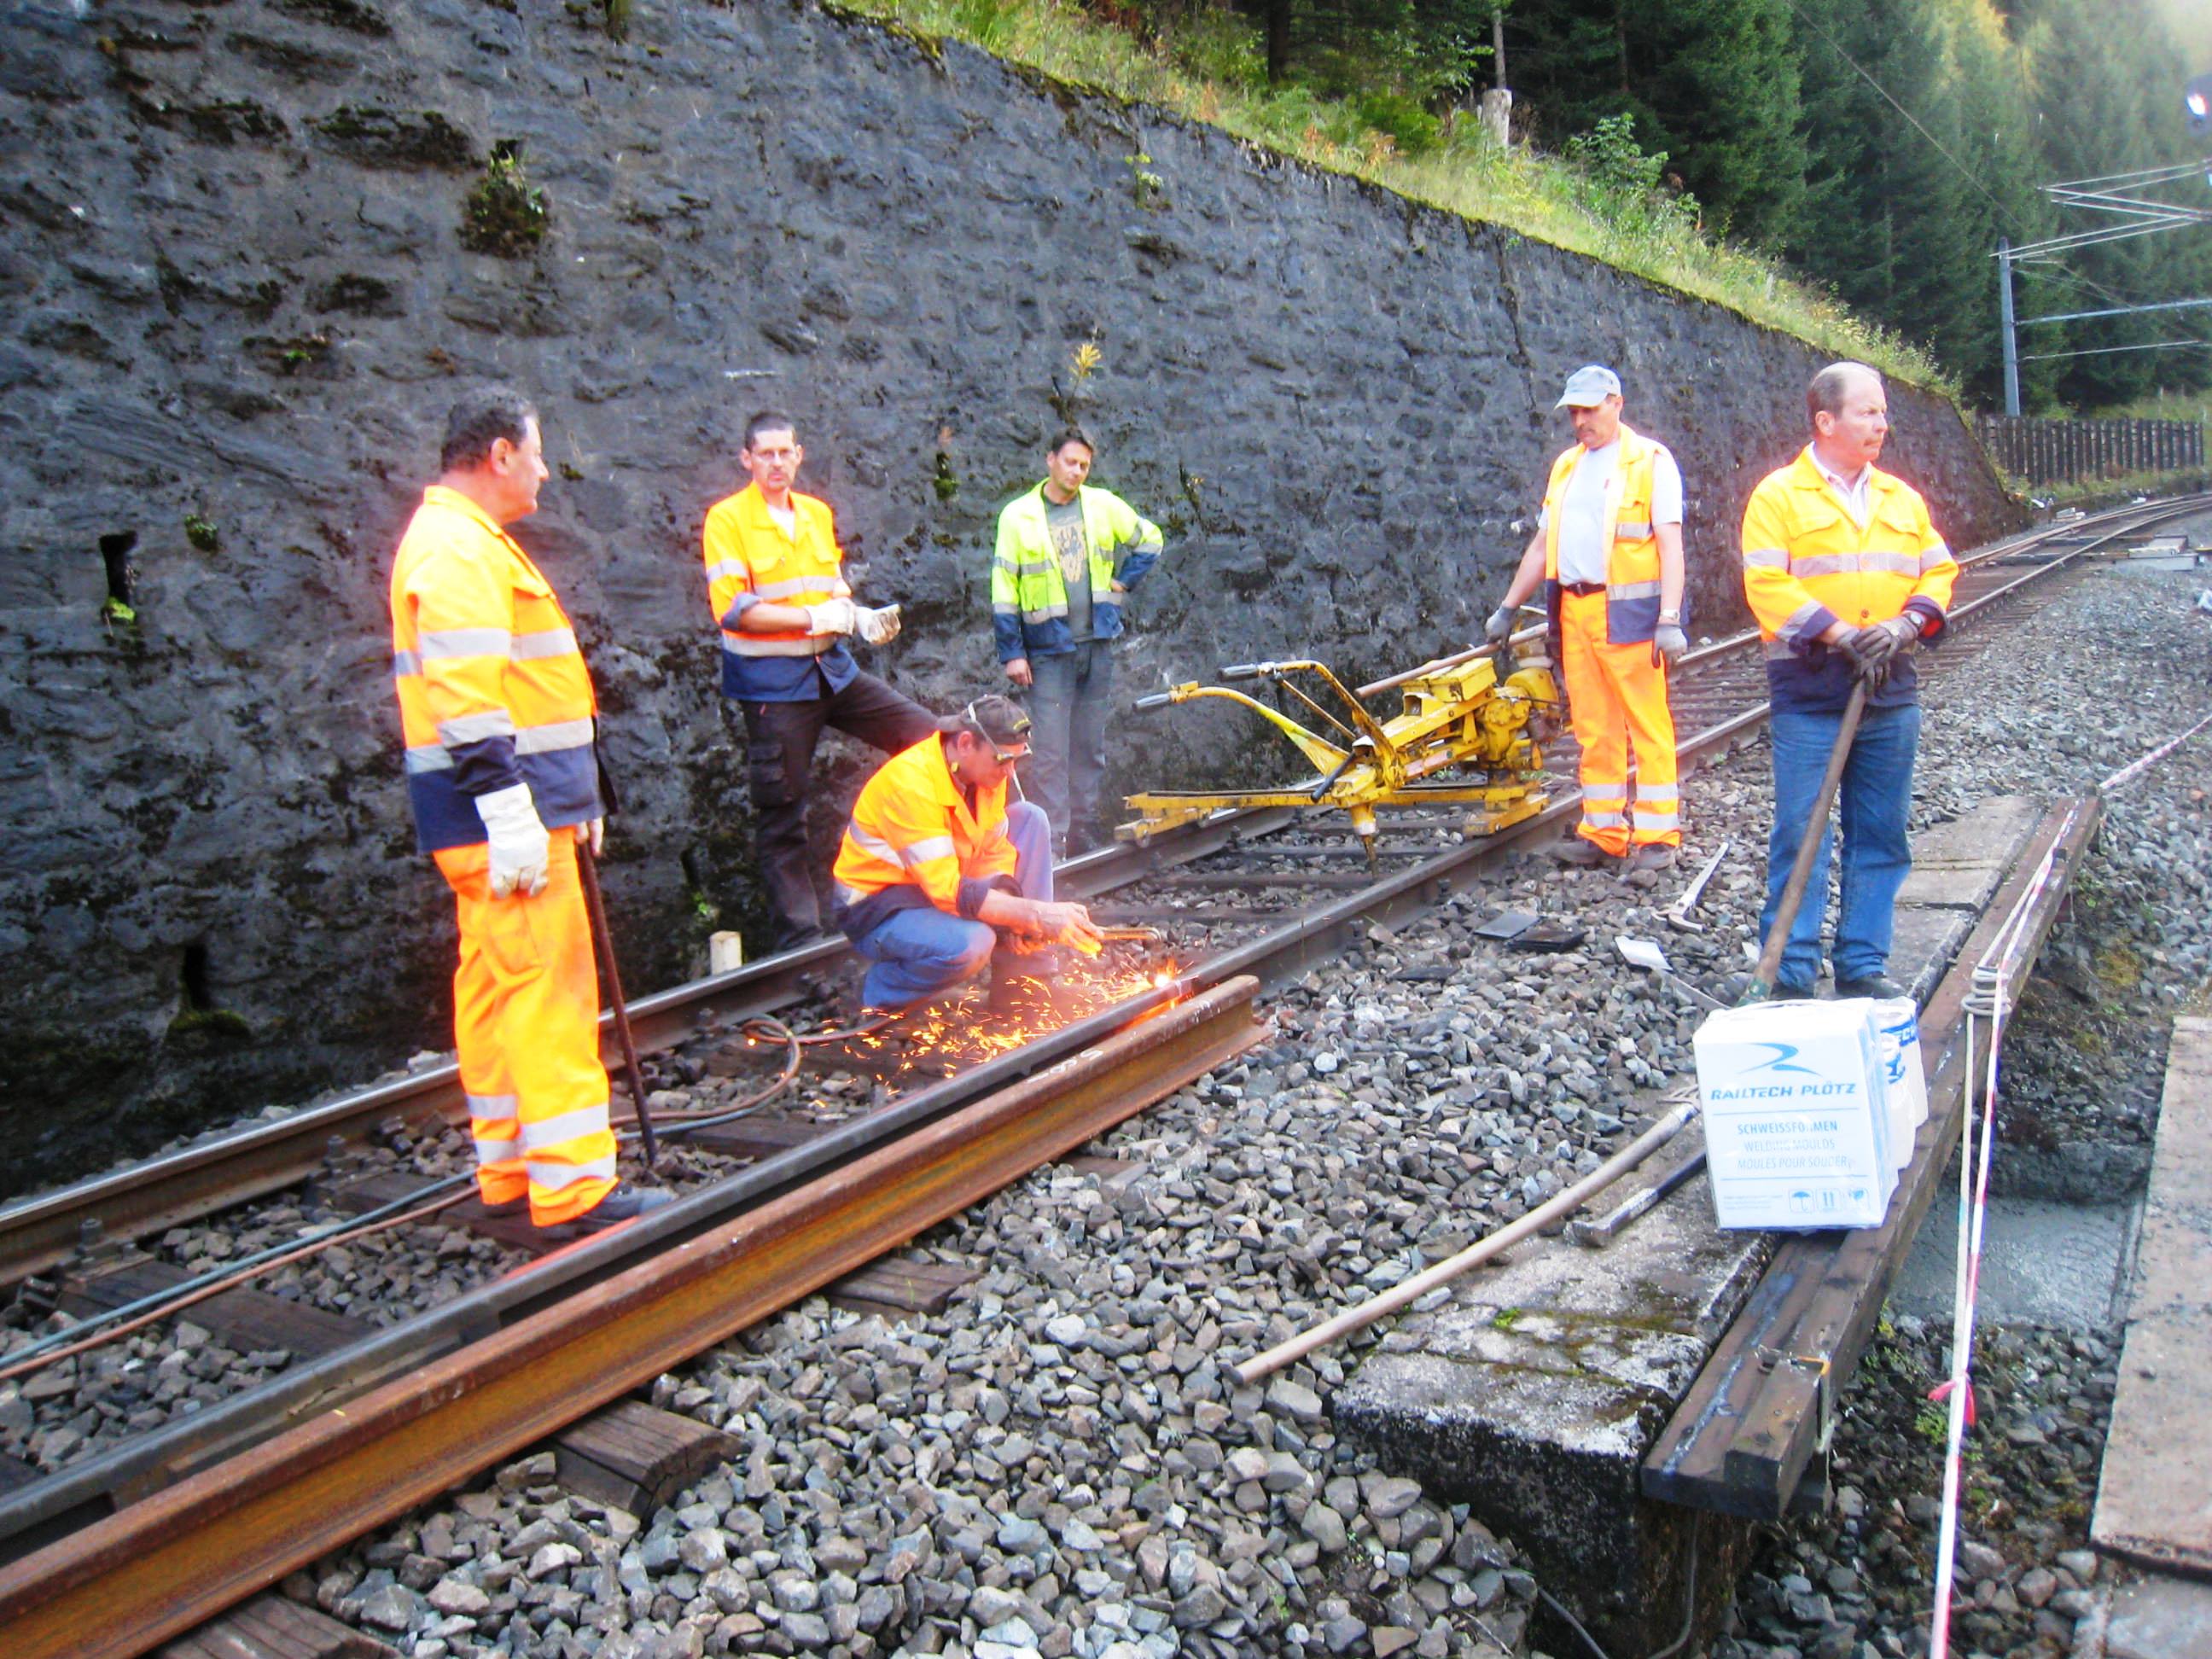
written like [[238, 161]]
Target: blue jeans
[[1066, 765], [1876, 797], [920, 952]]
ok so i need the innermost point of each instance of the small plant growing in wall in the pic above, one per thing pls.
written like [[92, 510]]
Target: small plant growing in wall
[[201, 533], [1146, 188], [1083, 362], [505, 213]]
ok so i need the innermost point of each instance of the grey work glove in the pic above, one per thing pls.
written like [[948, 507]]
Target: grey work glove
[[517, 841], [1884, 640], [1499, 625], [1669, 642], [838, 616], [879, 626], [1870, 659]]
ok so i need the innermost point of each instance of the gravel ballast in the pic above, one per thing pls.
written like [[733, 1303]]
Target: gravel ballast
[[1060, 1463]]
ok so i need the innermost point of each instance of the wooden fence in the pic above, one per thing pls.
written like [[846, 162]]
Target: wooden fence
[[2074, 451]]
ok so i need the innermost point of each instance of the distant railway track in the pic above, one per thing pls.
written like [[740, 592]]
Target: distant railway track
[[116, 1550]]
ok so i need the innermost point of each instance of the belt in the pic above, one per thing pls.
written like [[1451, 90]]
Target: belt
[[1582, 590]]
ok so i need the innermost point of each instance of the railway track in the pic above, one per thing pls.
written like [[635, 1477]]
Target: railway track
[[139, 1535]]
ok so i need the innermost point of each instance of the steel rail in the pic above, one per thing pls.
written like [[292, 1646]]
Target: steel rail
[[38, 1233], [123, 1584], [128, 1471]]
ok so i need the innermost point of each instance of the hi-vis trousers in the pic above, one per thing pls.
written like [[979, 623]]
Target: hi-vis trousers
[[527, 1021], [1617, 699]]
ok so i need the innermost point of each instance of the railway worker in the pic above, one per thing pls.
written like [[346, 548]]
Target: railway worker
[[776, 584], [935, 860], [1608, 552], [497, 712], [1844, 574], [1067, 553]]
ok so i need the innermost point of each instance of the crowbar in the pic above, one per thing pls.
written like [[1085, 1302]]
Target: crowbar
[[587, 868], [1678, 914], [1599, 1233]]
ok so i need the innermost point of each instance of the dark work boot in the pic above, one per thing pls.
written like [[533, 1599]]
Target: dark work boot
[[1577, 854], [1881, 987], [623, 1202]]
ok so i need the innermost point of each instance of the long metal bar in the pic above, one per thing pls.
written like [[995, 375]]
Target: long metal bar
[[1360, 1316], [1809, 846], [159, 1567], [587, 865]]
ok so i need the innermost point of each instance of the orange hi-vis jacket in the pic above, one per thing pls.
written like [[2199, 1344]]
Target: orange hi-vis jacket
[[749, 559], [1631, 565], [1807, 564], [493, 691], [913, 840]]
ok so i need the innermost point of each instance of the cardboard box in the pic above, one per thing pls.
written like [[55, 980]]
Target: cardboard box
[[1897, 1037], [1797, 1120]]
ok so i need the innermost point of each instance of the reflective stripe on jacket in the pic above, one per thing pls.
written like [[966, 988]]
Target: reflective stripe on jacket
[[913, 841], [1807, 564], [1028, 596], [750, 559], [1631, 566], [493, 691]]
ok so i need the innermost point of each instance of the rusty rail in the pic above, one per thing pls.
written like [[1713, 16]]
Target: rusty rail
[[159, 1566]]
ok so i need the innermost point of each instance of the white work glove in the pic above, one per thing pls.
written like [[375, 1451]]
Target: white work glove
[[879, 626], [832, 616], [517, 838], [1668, 641], [1500, 625], [593, 835]]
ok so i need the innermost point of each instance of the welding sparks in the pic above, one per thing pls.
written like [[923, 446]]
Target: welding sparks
[[1001, 1013]]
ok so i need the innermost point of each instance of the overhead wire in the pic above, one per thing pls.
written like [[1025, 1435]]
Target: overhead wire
[[1963, 171], [2009, 214]]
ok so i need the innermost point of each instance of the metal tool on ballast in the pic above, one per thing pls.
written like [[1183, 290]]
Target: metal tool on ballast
[[1645, 953], [1595, 1235], [1678, 913], [1480, 709]]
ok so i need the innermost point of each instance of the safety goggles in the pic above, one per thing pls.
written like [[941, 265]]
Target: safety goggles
[[974, 723]]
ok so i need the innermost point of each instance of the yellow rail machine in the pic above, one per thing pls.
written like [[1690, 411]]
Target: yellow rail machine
[[1479, 710]]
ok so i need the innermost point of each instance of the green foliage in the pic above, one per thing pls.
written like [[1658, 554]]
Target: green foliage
[[504, 214], [1622, 185], [1219, 47], [1410, 127], [201, 533], [1317, 111], [1146, 188]]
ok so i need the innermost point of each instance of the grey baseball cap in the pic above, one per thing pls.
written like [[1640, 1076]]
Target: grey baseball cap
[[1588, 386]]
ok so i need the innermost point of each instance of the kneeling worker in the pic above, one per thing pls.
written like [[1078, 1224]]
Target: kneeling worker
[[934, 860]]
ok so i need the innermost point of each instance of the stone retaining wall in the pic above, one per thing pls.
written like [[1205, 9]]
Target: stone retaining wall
[[239, 302]]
